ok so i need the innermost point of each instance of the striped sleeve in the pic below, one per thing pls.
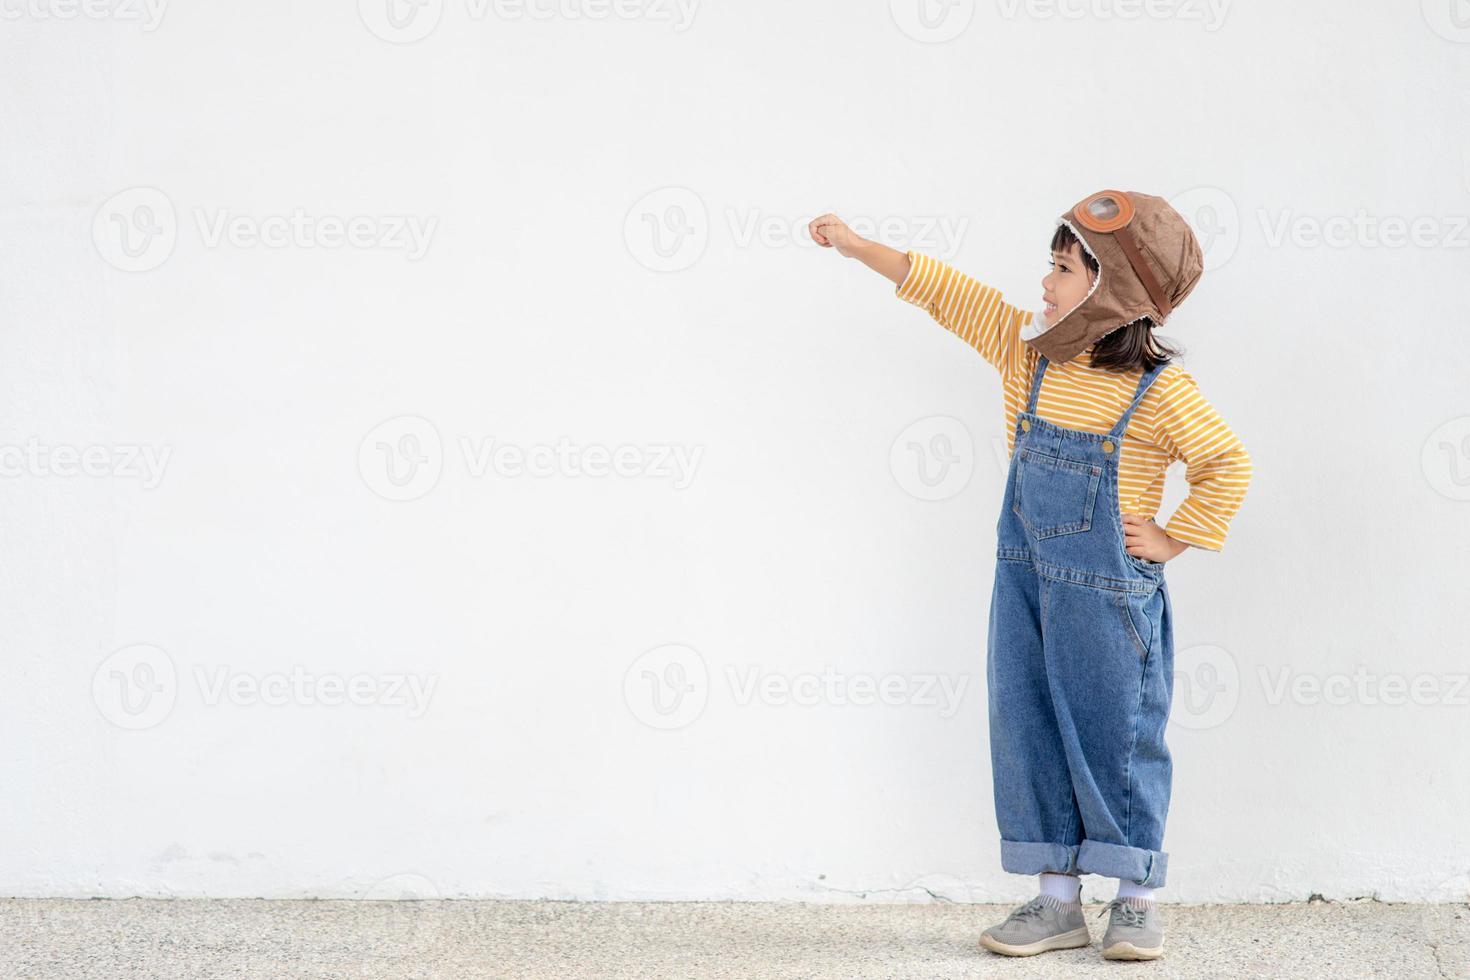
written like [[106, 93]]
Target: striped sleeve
[[1217, 466], [971, 310]]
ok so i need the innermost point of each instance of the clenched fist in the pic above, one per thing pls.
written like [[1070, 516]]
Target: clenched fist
[[830, 231]]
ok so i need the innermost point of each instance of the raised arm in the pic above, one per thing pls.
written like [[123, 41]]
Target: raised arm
[[969, 309]]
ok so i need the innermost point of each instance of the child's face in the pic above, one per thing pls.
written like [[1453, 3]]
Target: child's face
[[1067, 283]]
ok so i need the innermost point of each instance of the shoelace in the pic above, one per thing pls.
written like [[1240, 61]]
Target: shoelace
[[1031, 908], [1130, 915]]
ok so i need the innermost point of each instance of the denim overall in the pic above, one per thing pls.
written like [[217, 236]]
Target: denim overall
[[1080, 663]]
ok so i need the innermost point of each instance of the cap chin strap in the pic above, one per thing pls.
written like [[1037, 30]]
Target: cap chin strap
[[1124, 237]]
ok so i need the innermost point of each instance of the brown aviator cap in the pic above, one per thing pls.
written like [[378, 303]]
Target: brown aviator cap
[[1149, 262]]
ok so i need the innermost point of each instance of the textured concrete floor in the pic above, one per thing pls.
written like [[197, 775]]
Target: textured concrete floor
[[233, 939]]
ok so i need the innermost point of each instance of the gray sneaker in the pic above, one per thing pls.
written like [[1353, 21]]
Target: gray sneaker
[[1041, 924], [1135, 930]]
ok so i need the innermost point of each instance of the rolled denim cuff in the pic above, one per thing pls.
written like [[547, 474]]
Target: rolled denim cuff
[[1147, 868], [1024, 857]]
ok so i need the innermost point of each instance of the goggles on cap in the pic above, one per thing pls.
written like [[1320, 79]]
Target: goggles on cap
[[1110, 213]]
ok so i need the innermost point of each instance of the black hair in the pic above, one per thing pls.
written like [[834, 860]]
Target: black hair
[[1133, 346]]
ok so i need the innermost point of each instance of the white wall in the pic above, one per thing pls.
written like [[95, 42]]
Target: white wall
[[253, 538]]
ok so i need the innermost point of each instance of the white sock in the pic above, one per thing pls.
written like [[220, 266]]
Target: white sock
[[1130, 889], [1064, 888]]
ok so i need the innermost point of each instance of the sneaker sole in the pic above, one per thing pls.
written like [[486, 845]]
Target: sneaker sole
[[1062, 940], [1128, 951]]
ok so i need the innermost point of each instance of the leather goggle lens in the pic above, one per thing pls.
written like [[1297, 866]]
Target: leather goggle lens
[[1103, 208], [1105, 211]]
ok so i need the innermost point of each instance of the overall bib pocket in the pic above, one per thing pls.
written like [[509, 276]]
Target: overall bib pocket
[[1054, 495]]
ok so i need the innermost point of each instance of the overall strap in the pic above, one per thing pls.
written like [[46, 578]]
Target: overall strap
[[1143, 383], [1036, 384]]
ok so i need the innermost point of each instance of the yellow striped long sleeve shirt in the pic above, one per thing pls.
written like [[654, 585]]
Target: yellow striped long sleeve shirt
[[1172, 422]]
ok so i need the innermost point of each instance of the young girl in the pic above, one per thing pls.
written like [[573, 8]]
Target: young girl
[[1080, 654]]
